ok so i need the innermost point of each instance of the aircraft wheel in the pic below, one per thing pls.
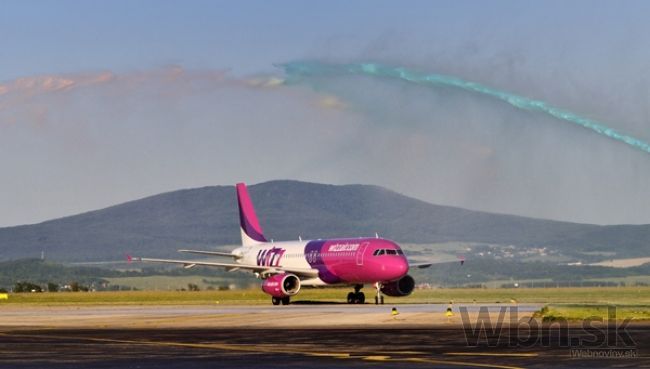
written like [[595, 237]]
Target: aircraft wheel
[[286, 300], [381, 300], [351, 298], [376, 300], [275, 300], [360, 298]]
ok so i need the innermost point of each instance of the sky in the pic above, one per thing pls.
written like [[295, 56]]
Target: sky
[[108, 101]]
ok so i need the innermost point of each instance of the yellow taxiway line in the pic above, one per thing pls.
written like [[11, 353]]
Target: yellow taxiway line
[[530, 354]]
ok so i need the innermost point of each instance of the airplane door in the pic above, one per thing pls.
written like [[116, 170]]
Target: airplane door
[[360, 252]]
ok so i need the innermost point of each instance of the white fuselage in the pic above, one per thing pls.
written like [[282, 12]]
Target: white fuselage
[[288, 254]]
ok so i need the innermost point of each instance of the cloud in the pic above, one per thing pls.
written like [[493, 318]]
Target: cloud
[[265, 81], [35, 85], [20, 99], [75, 142], [80, 141], [454, 147], [332, 102], [32, 99]]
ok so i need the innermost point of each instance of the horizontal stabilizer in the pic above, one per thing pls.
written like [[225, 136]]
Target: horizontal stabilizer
[[214, 253]]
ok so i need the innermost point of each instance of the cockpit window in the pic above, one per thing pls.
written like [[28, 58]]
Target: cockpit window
[[387, 252]]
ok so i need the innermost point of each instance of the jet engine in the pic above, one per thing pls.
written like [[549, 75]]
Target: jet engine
[[281, 285], [401, 287]]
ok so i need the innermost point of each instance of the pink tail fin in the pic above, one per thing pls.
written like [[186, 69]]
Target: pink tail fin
[[251, 231]]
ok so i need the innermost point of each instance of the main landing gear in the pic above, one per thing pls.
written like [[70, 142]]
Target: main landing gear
[[278, 300], [356, 297], [379, 298]]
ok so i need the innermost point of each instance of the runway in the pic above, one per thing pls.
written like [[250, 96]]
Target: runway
[[286, 348], [306, 335], [235, 316]]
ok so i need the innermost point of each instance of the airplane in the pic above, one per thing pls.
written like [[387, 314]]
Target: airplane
[[285, 267]]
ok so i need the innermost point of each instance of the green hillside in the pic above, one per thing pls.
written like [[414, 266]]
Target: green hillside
[[206, 217]]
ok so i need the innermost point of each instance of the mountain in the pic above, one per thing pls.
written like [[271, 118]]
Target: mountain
[[157, 226]]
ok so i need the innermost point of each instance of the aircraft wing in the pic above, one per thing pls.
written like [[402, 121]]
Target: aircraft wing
[[300, 272], [422, 265], [214, 253]]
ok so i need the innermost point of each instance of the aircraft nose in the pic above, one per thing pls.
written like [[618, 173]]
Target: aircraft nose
[[397, 267], [403, 265]]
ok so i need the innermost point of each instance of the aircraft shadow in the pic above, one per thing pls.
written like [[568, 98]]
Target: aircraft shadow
[[310, 302]]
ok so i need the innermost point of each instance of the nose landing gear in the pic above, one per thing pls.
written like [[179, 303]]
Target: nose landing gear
[[356, 297], [379, 298]]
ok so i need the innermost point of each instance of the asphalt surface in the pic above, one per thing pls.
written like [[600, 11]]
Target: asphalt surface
[[237, 316], [323, 308], [444, 347]]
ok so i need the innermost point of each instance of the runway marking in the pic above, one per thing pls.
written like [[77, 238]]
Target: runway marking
[[377, 358], [406, 352], [492, 354], [460, 363], [434, 361], [338, 355], [257, 349]]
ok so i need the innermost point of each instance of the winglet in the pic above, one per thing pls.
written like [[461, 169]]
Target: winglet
[[251, 231]]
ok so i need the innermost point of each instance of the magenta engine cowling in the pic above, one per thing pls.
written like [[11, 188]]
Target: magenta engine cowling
[[401, 287], [281, 285]]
